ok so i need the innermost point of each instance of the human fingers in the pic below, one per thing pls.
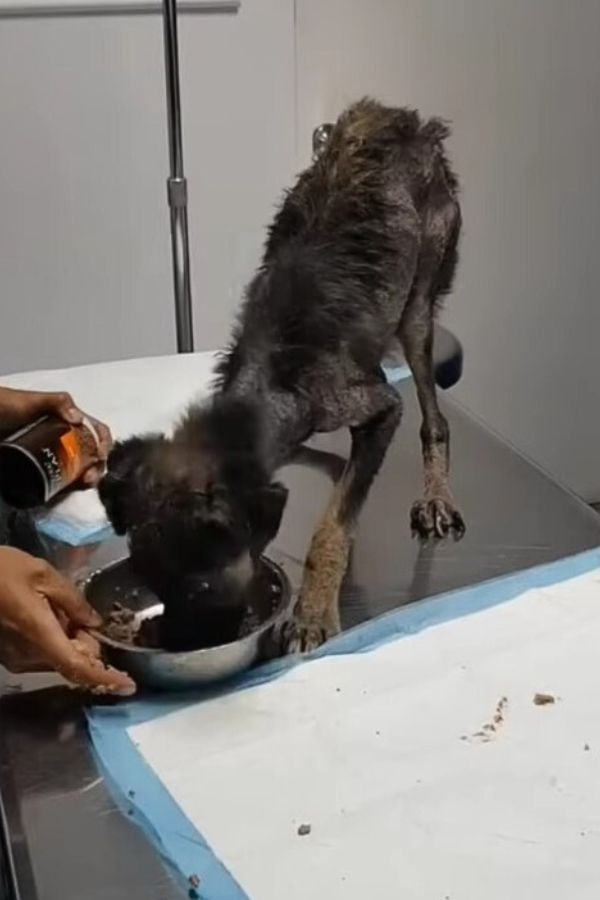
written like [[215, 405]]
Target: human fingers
[[64, 596]]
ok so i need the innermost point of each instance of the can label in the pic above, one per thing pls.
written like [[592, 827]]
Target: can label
[[58, 452]]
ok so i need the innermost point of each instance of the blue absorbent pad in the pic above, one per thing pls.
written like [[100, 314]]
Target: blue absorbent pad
[[140, 792], [72, 534]]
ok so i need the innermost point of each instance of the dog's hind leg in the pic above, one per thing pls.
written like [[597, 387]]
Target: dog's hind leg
[[436, 514], [317, 612]]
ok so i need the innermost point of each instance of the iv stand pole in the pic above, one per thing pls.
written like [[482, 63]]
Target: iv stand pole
[[177, 186]]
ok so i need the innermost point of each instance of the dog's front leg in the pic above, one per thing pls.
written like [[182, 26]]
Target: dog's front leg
[[317, 613]]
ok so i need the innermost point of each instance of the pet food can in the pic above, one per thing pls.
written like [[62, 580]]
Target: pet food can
[[42, 459]]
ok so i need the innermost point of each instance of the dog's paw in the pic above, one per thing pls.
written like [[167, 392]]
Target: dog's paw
[[436, 518], [303, 637]]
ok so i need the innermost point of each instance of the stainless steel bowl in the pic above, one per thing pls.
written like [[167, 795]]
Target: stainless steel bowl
[[155, 668]]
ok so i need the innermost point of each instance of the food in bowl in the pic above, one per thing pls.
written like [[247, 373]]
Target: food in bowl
[[125, 624]]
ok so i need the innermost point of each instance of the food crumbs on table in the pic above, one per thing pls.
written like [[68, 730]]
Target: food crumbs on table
[[544, 699], [304, 830], [131, 794], [194, 881], [490, 729]]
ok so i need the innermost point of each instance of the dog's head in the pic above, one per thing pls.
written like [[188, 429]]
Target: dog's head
[[198, 514]]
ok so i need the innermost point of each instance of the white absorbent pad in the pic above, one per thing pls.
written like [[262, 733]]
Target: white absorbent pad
[[426, 767]]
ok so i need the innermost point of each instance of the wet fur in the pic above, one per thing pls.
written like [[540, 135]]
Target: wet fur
[[342, 253], [359, 253]]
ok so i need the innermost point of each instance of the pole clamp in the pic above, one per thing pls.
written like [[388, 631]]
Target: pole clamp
[[177, 192]]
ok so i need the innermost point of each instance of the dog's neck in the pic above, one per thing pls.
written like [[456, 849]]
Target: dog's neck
[[283, 418]]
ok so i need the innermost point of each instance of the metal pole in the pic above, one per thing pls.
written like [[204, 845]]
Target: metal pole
[[177, 186]]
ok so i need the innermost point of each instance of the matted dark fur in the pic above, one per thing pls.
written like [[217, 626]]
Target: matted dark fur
[[360, 252]]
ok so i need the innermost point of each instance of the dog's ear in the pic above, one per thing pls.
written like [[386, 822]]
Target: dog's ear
[[121, 485], [265, 512]]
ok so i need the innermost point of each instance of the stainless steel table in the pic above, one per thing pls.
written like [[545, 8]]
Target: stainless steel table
[[66, 836]]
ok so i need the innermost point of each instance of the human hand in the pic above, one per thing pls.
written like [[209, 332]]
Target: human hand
[[42, 626], [19, 408]]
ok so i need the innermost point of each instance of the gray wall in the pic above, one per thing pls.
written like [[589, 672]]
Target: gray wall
[[85, 269], [84, 250], [520, 79]]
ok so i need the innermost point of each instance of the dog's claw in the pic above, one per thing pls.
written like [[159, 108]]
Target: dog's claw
[[303, 637], [436, 518]]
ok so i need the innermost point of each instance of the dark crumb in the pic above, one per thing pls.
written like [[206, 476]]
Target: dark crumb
[[131, 794], [129, 812], [193, 894], [338, 690], [586, 747], [304, 830], [544, 699], [194, 881], [500, 707], [377, 733]]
